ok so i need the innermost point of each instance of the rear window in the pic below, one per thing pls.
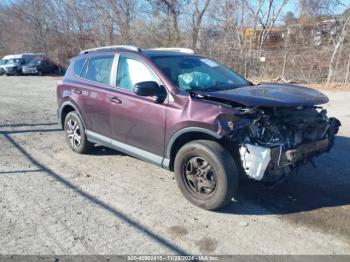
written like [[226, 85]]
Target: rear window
[[98, 69], [78, 66]]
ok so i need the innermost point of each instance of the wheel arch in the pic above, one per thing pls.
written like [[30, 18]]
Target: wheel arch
[[66, 108], [184, 136]]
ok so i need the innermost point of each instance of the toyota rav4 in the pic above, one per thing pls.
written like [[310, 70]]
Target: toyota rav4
[[191, 115]]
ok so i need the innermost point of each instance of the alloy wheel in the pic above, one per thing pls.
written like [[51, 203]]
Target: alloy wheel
[[199, 176], [73, 133]]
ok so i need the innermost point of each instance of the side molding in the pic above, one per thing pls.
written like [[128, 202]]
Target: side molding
[[122, 147]]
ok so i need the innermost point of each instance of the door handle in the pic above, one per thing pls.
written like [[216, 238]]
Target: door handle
[[78, 91], [115, 100]]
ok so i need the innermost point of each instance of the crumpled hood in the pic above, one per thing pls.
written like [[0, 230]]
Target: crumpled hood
[[270, 95]]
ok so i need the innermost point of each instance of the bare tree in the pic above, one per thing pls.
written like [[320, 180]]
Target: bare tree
[[37, 13], [316, 8], [337, 48], [266, 14], [120, 15], [236, 32], [171, 9], [225, 15], [197, 18]]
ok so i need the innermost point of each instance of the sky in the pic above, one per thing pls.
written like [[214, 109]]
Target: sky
[[291, 5]]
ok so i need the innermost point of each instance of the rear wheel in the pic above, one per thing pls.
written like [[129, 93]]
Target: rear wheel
[[206, 174], [75, 133]]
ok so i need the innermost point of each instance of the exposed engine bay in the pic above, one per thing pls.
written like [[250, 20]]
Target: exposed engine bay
[[273, 142]]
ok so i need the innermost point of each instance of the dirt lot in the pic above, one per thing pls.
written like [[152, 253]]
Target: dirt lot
[[54, 201]]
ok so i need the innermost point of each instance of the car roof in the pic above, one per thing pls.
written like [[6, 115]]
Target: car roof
[[12, 56], [19, 56], [144, 52]]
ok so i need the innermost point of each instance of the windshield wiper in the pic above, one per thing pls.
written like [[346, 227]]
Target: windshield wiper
[[195, 94]]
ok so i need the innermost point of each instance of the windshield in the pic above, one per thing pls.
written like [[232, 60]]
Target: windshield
[[35, 62], [194, 73], [3, 61], [14, 61]]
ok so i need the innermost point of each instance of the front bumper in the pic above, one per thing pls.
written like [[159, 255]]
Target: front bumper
[[12, 70], [258, 161], [272, 163], [302, 152], [29, 71]]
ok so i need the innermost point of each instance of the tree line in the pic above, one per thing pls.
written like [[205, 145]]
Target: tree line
[[255, 37]]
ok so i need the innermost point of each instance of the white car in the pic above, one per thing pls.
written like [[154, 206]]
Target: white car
[[14, 63], [3, 62]]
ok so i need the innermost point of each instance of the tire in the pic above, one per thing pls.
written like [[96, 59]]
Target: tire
[[222, 172], [75, 134]]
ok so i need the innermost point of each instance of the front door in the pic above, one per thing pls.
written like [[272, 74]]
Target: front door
[[137, 121]]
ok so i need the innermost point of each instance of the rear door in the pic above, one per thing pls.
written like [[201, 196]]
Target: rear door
[[93, 91], [135, 120]]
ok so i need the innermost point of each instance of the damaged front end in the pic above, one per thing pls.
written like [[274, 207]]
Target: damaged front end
[[273, 142]]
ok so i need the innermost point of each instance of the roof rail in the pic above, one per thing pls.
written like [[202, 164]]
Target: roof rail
[[128, 47], [175, 49]]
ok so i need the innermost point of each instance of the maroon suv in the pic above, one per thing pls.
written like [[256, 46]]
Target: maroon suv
[[190, 114]]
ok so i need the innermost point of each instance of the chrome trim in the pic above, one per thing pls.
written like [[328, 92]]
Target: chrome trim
[[127, 149]]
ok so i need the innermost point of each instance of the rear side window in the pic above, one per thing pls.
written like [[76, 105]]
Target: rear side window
[[78, 66], [98, 69]]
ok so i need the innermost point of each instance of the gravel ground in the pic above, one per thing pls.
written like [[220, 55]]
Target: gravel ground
[[54, 201]]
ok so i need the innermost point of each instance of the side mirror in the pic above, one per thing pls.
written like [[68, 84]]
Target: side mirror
[[147, 88]]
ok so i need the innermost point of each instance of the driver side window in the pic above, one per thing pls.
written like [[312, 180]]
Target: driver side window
[[132, 71]]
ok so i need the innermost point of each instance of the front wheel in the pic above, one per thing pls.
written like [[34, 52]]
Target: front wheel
[[75, 133], [206, 174]]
